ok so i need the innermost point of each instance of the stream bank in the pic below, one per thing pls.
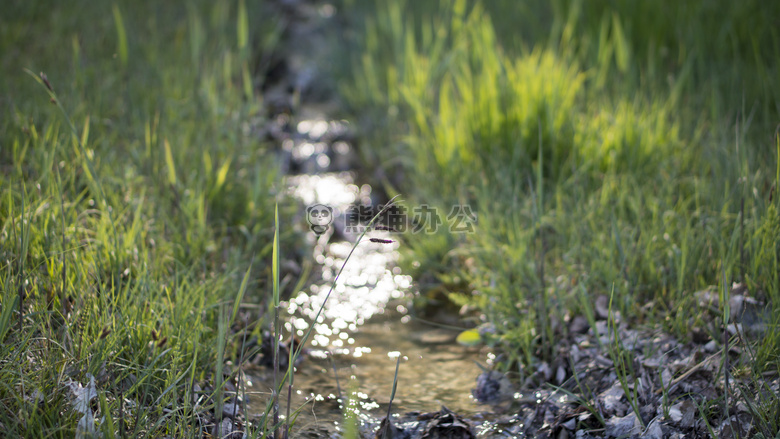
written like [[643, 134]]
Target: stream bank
[[366, 322]]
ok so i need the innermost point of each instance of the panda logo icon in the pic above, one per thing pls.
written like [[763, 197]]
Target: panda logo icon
[[319, 217]]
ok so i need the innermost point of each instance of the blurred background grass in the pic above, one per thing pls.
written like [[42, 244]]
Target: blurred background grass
[[600, 143]]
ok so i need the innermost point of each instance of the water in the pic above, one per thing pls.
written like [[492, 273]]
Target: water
[[365, 323], [434, 371]]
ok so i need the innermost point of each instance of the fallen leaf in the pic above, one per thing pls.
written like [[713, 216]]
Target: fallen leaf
[[83, 395], [611, 400], [469, 337], [653, 431], [624, 426]]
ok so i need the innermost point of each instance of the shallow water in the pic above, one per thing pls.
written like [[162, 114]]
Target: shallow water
[[434, 371], [365, 324]]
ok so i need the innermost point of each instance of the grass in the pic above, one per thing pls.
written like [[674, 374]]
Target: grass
[[134, 197], [602, 146], [136, 219], [624, 367]]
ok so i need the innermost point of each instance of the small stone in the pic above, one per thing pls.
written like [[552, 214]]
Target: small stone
[[560, 375], [579, 325], [492, 386], [706, 298], [386, 431], [611, 399], [602, 307], [602, 329], [231, 410], [652, 363], [666, 378], [653, 430], [623, 426], [735, 328], [575, 354], [223, 429], [675, 414], [448, 425], [688, 410]]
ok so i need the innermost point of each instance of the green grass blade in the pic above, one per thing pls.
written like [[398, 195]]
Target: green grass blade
[[395, 380], [222, 329], [275, 257], [10, 302], [388, 421], [242, 28], [222, 175], [169, 163], [121, 36], [108, 424], [240, 294]]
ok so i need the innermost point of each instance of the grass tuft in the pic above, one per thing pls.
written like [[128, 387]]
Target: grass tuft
[[603, 147], [130, 213]]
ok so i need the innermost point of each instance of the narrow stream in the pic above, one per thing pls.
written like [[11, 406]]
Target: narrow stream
[[365, 324]]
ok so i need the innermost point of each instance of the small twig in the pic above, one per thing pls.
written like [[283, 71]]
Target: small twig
[[726, 312], [276, 372], [335, 372], [388, 424], [291, 368], [742, 241], [238, 370], [690, 372], [121, 411]]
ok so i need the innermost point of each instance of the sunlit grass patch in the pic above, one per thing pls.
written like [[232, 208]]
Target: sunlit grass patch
[[634, 138], [606, 153]]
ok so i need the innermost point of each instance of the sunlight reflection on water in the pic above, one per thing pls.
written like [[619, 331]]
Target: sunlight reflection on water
[[366, 284], [364, 325]]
